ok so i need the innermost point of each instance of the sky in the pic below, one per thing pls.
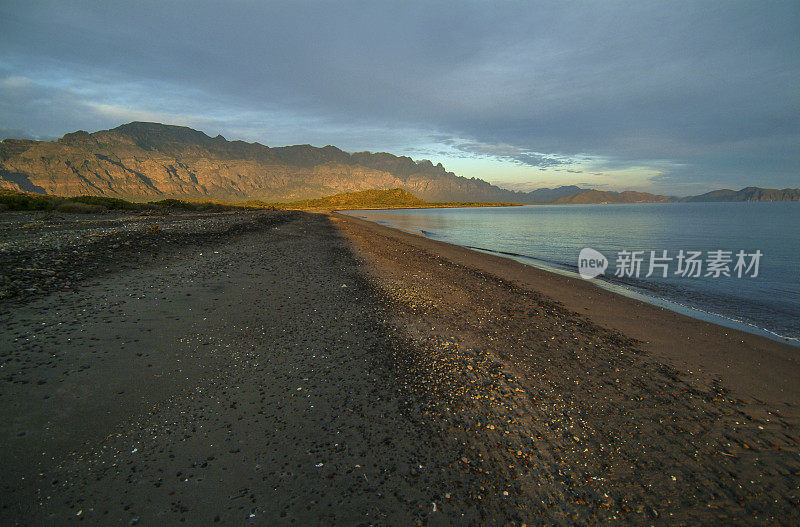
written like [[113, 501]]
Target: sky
[[670, 97]]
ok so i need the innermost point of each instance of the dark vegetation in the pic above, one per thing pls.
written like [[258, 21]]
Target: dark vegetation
[[12, 200], [395, 198], [367, 199]]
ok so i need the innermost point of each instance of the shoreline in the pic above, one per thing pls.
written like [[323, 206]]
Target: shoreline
[[650, 298], [753, 365], [638, 292]]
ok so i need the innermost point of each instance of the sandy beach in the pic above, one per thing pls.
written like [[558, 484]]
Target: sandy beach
[[298, 368]]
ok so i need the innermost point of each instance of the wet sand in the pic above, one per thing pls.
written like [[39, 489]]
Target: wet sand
[[295, 368]]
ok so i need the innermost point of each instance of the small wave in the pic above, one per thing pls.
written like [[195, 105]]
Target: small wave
[[558, 265], [700, 313], [646, 295]]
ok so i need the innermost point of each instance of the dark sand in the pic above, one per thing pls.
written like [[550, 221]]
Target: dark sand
[[292, 368]]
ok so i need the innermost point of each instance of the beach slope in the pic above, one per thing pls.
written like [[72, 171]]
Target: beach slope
[[637, 409], [287, 367]]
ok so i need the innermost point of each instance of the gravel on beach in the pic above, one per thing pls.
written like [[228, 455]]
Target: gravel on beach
[[296, 368], [576, 422], [41, 252]]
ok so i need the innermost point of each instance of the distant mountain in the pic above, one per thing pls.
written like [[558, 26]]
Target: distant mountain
[[748, 194], [602, 196], [144, 161], [549, 195]]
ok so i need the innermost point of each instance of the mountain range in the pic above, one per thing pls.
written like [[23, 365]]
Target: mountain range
[[142, 161], [602, 196], [748, 194]]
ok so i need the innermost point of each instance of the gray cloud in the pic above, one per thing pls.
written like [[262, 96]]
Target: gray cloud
[[501, 151], [709, 90]]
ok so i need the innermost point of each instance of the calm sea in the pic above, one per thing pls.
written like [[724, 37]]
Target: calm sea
[[552, 236]]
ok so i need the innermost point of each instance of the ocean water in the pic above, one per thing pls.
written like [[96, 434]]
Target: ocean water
[[552, 236]]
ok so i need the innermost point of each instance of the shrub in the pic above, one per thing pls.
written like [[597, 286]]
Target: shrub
[[172, 203], [19, 201], [77, 207], [108, 203]]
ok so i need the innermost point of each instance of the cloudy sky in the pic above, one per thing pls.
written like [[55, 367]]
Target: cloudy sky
[[672, 97]]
